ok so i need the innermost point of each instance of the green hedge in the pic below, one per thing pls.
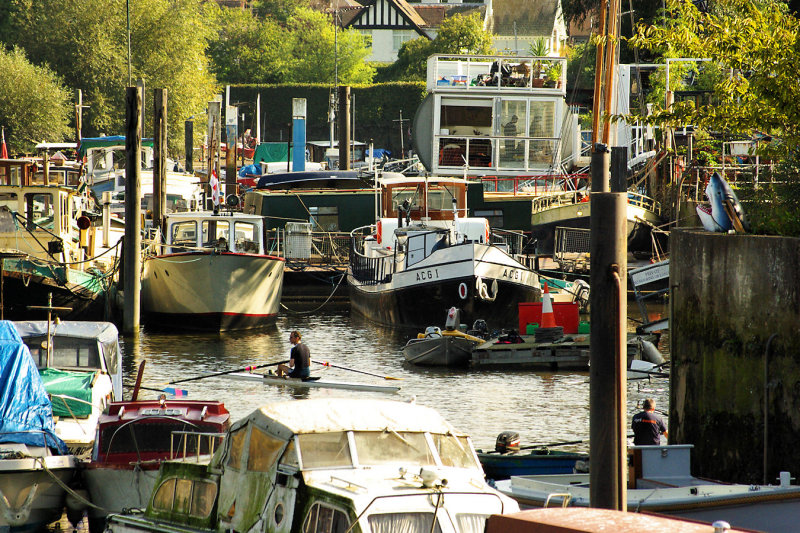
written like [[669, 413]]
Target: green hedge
[[376, 107]]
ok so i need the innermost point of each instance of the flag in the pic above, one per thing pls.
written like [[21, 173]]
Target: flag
[[213, 182], [3, 148]]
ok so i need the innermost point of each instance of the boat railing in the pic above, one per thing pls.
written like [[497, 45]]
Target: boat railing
[[203, 443], [538, 184], [467, 73], [566, 497], [369, 270], [543, 203], [314, 247]]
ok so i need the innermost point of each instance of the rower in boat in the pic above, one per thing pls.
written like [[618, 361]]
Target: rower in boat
[[299, 359]]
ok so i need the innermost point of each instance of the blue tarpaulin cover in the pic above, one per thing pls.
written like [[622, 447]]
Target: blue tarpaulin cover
[[26, 414]]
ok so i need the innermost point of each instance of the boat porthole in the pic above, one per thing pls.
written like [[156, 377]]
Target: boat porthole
[[462, 290], [278, 514]]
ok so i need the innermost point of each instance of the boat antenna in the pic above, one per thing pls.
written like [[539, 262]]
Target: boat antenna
[[49, 308]]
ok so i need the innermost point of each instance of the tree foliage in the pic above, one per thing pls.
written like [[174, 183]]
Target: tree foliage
[[459, 34], [308, 49], [319, 51], [753, 45], [34, 104], [278, 10], [85, 42]]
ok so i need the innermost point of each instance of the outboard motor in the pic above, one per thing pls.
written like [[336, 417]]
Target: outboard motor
[[433, 331], [453, 319], [507, 441], [479, 329]]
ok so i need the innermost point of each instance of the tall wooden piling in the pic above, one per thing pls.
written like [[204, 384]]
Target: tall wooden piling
[[133, 206], [159, 156], [344, 127], [608, 354]]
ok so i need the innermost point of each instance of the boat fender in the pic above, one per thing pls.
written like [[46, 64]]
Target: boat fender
[[483, 291], [487, 231], [379, 231], [462, 290], [650, 353]]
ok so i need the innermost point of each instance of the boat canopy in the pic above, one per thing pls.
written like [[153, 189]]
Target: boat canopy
[[70, 392], [26, 415], [77, 345], [332, 415], [109, 141]]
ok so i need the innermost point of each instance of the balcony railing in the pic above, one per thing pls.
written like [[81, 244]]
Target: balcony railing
[[497, 73]]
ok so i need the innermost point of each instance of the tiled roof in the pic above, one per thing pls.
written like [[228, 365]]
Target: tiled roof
[[435, 14]]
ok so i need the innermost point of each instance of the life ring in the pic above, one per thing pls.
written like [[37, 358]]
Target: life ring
[[462, 290], [379, 231]]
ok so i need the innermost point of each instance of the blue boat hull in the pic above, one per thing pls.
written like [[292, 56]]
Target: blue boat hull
[[502, 466]]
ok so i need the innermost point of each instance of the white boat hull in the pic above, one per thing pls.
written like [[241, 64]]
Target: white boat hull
[[30, 496], [115, 489], [211, 290]]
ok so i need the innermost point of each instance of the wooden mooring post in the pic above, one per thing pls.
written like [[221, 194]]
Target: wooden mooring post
[[133, 208], [159, 157], [608, 354]]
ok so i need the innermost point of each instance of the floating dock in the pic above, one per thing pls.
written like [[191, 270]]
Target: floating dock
[[571, 352]]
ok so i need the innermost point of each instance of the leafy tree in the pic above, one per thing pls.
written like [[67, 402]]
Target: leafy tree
[[34, 104], [248, 50], [86, 43], [459, 34], [755, 43], [319, 51], [278, 10]]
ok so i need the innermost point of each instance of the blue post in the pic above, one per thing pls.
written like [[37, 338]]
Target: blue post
[[298, 134]]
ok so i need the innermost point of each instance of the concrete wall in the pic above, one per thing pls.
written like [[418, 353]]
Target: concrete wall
[[729, 293]]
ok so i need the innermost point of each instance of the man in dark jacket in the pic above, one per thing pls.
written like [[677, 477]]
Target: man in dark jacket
[[647, 425]]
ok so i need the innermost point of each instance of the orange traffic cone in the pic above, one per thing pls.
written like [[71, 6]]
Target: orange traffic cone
[[548, 318]]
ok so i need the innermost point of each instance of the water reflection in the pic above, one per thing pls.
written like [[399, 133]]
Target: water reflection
[[544, 407]]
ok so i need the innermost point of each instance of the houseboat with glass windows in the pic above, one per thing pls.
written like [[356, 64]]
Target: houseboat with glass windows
[[212, 273], [328, 465]]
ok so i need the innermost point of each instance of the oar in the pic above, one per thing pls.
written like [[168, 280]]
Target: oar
[[554, 444], [245, 369], [326, 363]]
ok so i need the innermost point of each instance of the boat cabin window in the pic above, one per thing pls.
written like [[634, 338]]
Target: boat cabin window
[[214, 230], [406, 522], [39, 208], [454, 451], [185, 496], [325, 450], [289, 457], [9, 199], [385, 447], [68, 352], [324, 218], [236, 448], [154, 436], [246, 237], [184, 234], [263, 451], [471, 523], [325, 519]]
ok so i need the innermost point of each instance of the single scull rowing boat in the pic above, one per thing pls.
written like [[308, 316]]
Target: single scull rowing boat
[[311, 383]]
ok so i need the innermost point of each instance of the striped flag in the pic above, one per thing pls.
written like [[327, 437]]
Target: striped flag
[[3, 148], [213, 182]]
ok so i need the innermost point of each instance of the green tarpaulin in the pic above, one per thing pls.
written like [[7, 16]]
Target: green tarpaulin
[[272, 153], [77, 385]]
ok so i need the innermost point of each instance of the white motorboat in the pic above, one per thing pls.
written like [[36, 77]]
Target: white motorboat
[[35, 464], [660, 482], [373, 466], [81, 372], [212, 273], [421, 258]]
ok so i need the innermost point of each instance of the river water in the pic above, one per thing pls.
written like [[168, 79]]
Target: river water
[[543, 407]]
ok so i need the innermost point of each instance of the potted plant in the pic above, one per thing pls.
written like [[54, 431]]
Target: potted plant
[[538, 49], [553, 75]]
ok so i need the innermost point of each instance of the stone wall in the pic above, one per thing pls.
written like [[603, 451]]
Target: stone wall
[[729, 294]]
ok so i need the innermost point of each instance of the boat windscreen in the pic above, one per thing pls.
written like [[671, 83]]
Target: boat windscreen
[[68, 352], [383, 447], [454, 451], [393, 522], [152, 437], [325, 450]]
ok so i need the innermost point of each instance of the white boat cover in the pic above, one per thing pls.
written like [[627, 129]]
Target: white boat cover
[[341, 414]]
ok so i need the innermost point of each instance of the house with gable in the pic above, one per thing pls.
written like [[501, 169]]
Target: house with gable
[[388, 24], [516, 24]]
